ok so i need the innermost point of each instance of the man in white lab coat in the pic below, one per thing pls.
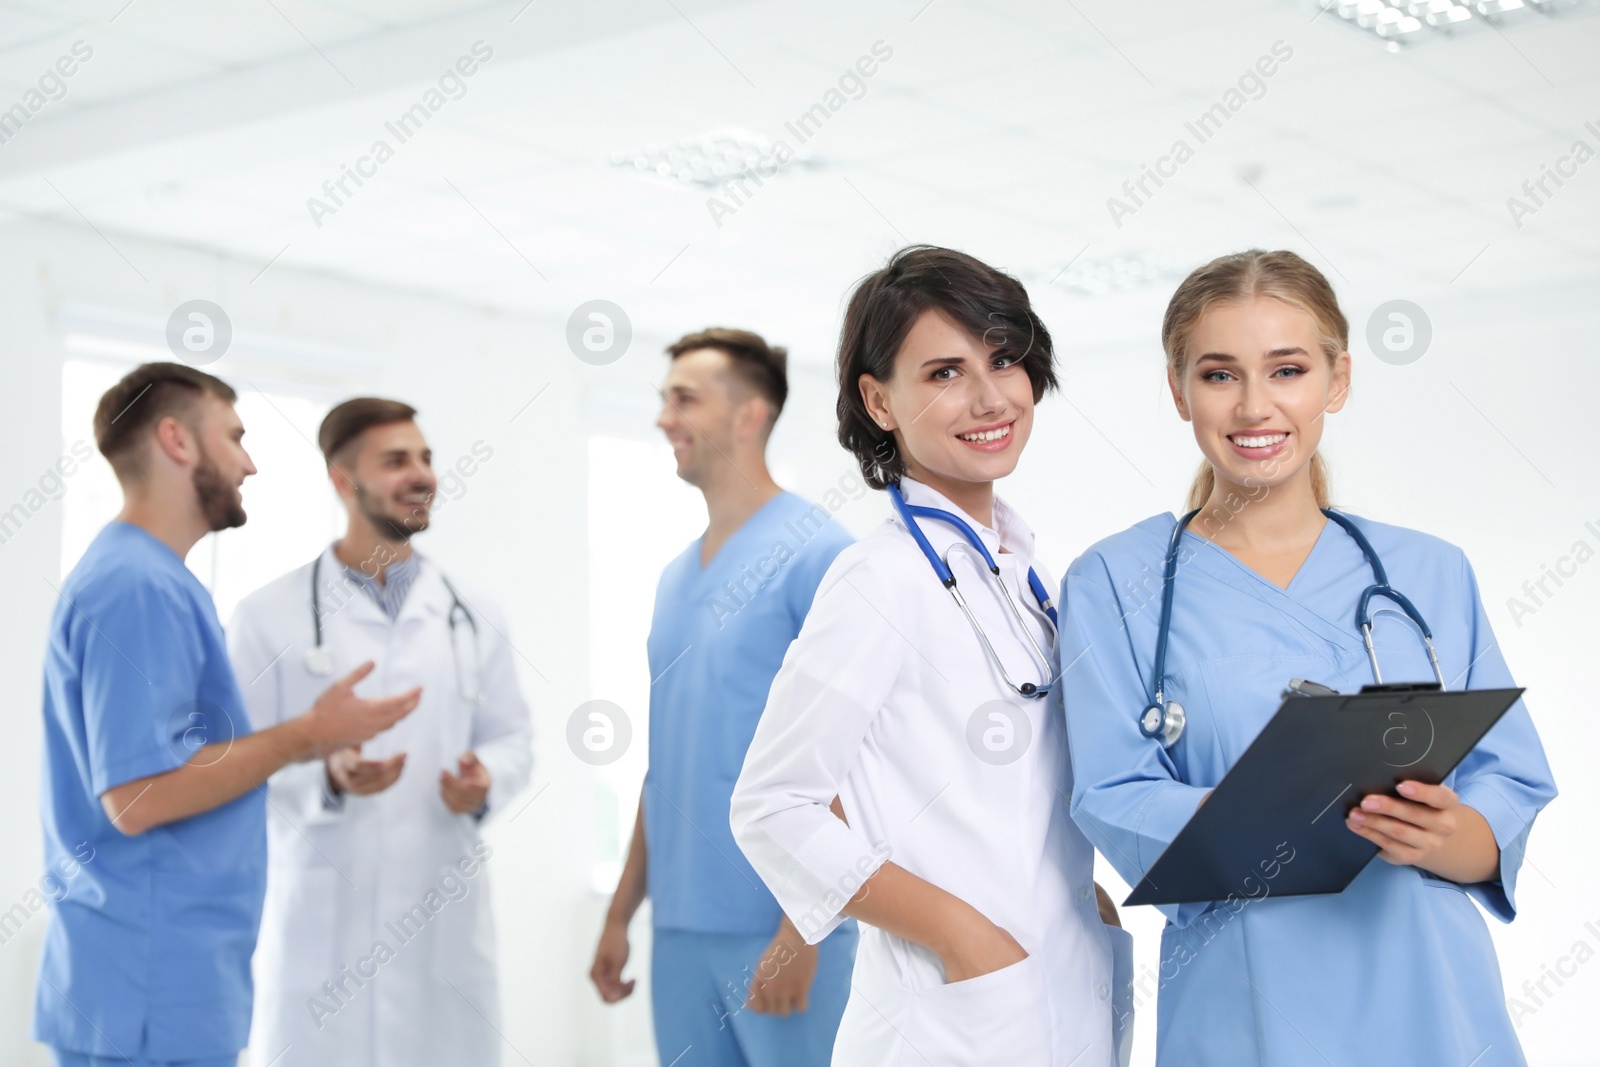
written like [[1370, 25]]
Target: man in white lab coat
[[377, 945]]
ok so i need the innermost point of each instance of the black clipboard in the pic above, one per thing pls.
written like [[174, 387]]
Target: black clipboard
[[1291, 790]]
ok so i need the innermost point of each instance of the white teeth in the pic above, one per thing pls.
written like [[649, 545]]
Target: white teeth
[[986, 435], [1258, 442]]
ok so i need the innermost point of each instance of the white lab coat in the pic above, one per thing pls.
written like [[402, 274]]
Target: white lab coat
[[887, 700], [377, 944]]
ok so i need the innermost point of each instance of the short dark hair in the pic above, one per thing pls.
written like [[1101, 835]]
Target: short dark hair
[[990, 304], [352, 418], [129, 410], [762, 367]]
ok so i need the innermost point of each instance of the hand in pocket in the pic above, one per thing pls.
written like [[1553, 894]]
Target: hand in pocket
[[977, 947]]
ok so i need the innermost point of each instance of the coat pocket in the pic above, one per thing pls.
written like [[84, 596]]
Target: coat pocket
[[1002, 1017]]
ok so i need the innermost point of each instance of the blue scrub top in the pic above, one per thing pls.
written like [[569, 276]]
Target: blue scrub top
[[1398, 968], [717, 639], [148, 950]]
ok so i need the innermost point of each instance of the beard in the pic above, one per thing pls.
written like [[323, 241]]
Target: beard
[[219, 501], [398, 528]]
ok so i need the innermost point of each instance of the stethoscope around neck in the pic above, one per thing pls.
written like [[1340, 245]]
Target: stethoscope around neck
[[941, 568], [319, 660], [1165, 719]]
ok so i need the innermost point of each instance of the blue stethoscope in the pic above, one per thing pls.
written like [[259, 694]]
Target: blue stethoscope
[[319, 660], [941, 567], [1166, 719]]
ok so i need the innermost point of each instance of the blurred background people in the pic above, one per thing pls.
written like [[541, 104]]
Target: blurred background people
[[378, 943], [733, 982], [151, 773]]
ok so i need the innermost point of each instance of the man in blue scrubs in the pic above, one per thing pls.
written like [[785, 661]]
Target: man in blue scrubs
[[733, 983], [151, 774]]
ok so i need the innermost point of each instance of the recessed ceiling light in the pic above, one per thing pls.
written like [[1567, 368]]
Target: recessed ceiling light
[[1407, 22], [1097, 277], [709, 159]]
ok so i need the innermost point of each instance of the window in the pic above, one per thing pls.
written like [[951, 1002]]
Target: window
[[641, 517]]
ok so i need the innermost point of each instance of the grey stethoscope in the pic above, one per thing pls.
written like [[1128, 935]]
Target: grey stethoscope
[[1166, 719], [319, 661], [941, 567]]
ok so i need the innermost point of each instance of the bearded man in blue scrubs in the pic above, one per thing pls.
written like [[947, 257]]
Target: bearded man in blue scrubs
[[733, 983], [152, 778]]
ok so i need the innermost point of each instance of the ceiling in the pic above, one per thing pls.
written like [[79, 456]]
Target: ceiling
[[1001, 128]]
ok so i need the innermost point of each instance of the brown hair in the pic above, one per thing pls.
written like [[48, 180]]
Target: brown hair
[[129, 410], [1243, 276], [762, 367], [349, 420], [988, 303]]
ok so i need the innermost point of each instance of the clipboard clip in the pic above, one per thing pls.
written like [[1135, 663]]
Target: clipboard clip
[[1402, 687], [1304, 687]]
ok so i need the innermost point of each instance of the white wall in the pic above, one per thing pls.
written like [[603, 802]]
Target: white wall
[[1513, 481]]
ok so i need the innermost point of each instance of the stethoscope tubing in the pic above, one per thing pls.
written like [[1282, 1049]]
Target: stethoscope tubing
[[456, 605], [941, 568], [1379, 588]]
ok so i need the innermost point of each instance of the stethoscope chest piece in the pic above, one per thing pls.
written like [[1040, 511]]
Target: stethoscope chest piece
[[1165, 718], [1165, 721], [319, 661]]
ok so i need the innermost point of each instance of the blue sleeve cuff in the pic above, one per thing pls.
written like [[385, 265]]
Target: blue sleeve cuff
[[1167, 811], [145, 764], [1510, 831]]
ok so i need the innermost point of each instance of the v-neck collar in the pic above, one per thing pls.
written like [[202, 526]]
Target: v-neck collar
[[1299, 574], [704, 567], [1227, 568]]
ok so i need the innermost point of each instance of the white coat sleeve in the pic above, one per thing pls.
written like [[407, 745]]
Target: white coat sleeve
[[834, 679], [502, 729], [298, 791], [1126, 794]]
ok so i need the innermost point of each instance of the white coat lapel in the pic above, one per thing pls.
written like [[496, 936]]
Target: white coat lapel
[[428, 597]]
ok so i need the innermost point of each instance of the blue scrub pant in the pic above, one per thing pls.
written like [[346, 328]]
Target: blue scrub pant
[[64, 1058], [699, 983]]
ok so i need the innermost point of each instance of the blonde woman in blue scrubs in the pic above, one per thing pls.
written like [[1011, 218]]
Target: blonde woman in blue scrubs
[[1398, 968]]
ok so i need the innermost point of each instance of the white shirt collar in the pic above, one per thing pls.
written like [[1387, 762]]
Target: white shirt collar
[[1008, 529]]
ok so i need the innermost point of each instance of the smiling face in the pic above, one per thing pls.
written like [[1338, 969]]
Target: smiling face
[[1255, 385], [708, 415], [960, 413], [387, 478]]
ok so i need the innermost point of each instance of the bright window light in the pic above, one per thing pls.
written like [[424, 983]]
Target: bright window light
[[640, 518]]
